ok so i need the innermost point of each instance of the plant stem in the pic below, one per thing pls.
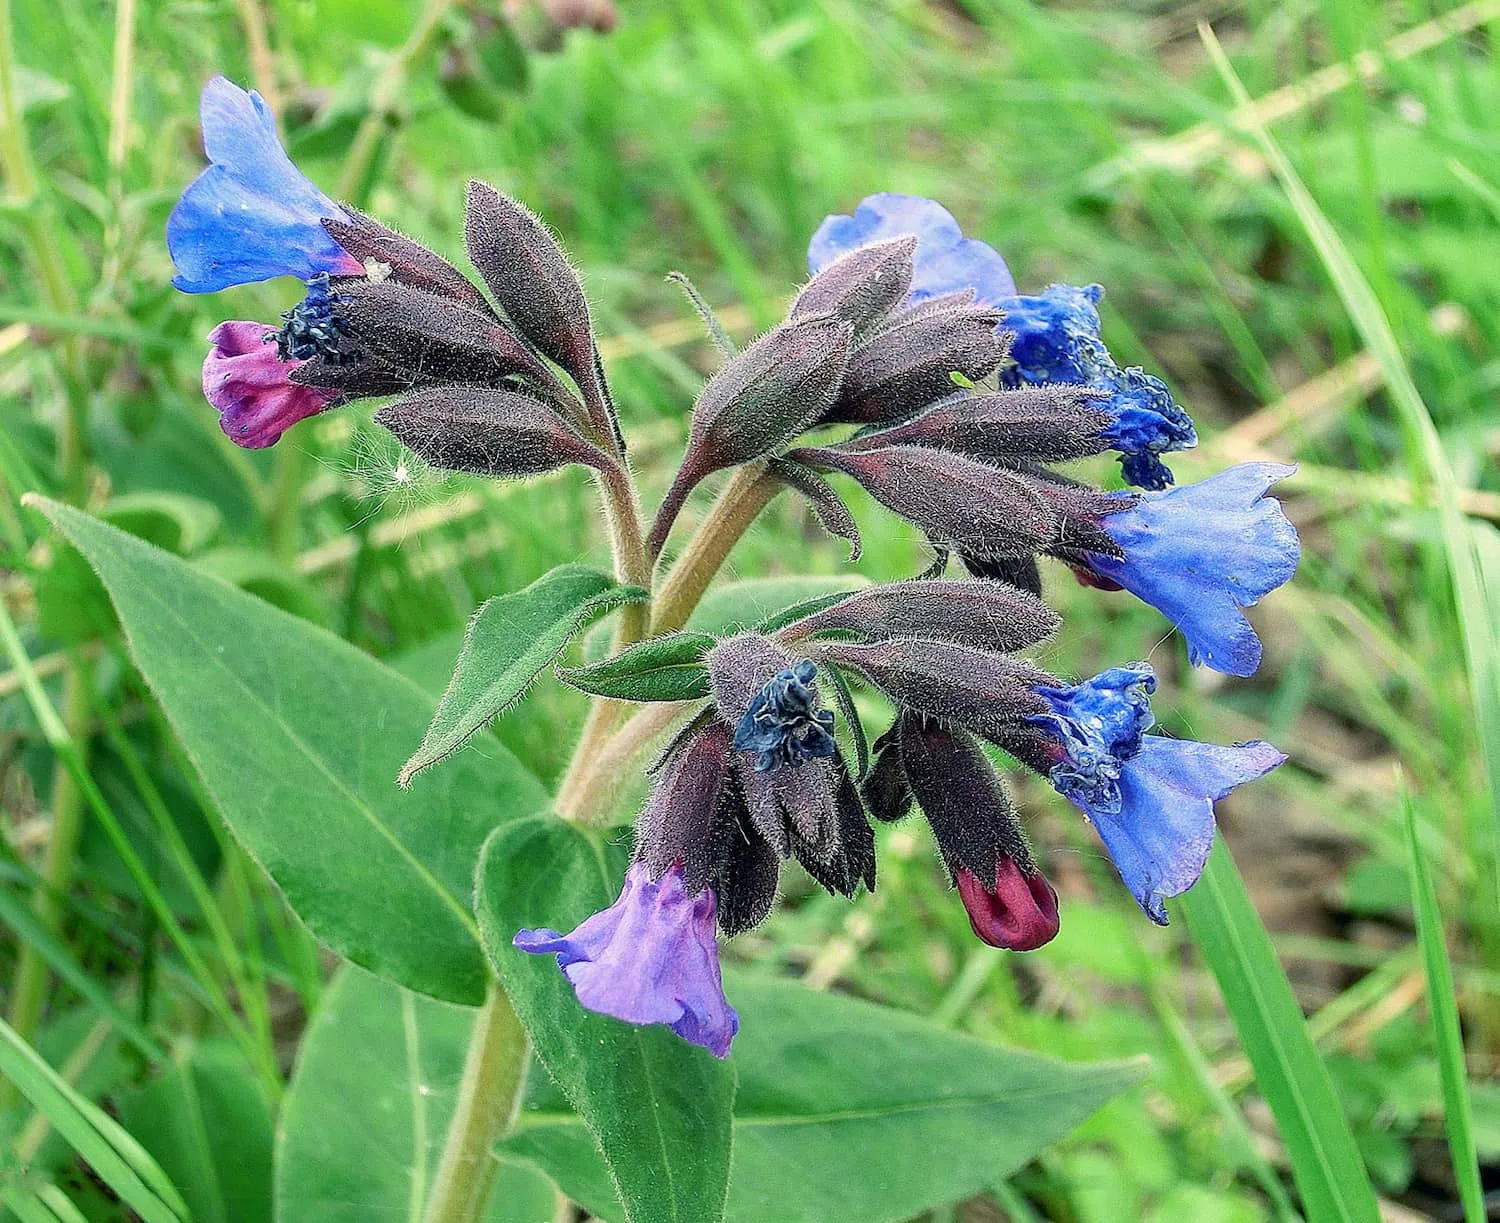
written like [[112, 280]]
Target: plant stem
[[605, 760], [748, 492], [632, 566], [489, 1095]]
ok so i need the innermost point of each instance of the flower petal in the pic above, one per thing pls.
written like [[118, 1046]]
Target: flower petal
[[252, 389]]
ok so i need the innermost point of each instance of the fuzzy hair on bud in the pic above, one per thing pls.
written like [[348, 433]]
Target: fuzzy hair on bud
[[989, 694], [887, 791], [1018, 571], [433, 338], [486, 432], [909, 364], [748, 867], [409, 263], [863, 286], [987, 616], [364, 377], [678, 823], [739, 667], [833, 515], [759, 400], [959, 502], [1046, 424], [530, 276]]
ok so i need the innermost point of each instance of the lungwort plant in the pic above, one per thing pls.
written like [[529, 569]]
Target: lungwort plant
[[909, 365]]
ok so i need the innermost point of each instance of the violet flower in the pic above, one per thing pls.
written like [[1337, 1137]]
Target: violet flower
[[648, 958], [252, 215], [1200, 553], [1151, 798], [249, 384]]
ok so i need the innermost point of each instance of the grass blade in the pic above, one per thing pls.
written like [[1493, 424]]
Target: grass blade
[[1443, 1004], [1326, 1164]]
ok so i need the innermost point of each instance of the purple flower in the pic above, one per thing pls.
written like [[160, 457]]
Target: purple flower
[[1057, 339], [251, 215], [1200, 553], [1017, 912], [648, 958], [1151, 798], [945, 261], [251, 386]]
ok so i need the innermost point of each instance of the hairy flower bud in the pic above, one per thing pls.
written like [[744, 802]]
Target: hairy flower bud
[[910, 363], [486, 432], [530, 276], [677, 824], [863, 286], [987, 616], [759, 400], [389, 256]]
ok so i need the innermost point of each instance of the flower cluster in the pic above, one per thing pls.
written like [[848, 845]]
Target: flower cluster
[[908, 364]]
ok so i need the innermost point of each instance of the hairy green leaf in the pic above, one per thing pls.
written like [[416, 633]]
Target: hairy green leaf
[[669, 668]]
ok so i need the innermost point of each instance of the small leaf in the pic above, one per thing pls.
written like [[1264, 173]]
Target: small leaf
[[399, 1055], [658, 1107], [509, 641], [669, 668], [173, 521]]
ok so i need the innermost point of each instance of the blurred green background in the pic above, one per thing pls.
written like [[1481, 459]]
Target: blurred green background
[[711, 136]]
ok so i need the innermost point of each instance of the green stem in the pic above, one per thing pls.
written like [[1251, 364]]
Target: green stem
[[488, 1097]]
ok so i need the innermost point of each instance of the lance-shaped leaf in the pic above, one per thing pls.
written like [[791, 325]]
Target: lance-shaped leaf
[[987, 616], [404, 261], [530, 276], [833, 514], [435, 338], [862, 286], [1044, 424], [508, 643], [957, 501], [669, 668], [486, 432], [766, 396], [990, 694], [910, 363]]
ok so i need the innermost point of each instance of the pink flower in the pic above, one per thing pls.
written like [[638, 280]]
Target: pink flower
[[252, 388]]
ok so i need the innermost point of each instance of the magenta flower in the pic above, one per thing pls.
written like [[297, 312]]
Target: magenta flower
[[252, 387]]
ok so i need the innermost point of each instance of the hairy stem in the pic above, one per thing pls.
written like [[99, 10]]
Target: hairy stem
[[488, 1097], [608, 761], [748, 492]]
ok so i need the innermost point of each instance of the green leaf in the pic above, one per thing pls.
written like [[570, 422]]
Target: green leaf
[[509, 641], [739, 607], [852, 1111], [297, 735], [378, 1075], [208, 1125], [1325, 1160], [657, 1106], [266, 578], [173, 521], [669, 668], [116, 1157], [1447, 1031]]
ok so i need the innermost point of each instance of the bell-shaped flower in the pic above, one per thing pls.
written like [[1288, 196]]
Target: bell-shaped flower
[[249, 384], [1200, 553], [1057, 339], [1151, 798], [945, 261], [252, 215], [649, 958]]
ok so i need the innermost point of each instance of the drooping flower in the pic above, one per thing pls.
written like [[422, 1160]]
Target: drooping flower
[[1017, 911], [1151, 798], [1200, 553], [251, 386], [783, 724], [1057, 339], [252, 215], [945, 261], [649, 958]]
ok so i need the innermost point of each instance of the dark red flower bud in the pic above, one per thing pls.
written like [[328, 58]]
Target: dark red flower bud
[[862, 286], [389, 256], [1019, 913], [486, 432], [910, 363], [987, 616]]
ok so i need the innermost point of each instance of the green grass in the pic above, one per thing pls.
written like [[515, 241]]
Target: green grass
[[711, 136]]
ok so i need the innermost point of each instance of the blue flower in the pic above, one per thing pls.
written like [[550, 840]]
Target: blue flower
[[1151, 798], [251, 215], [1057, 339], [783, 724], [945, 262], [1200, 553], [648, 958]]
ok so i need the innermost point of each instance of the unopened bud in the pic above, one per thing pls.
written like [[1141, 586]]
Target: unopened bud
[[862, 286], [1017, 912], [396, 258], [677, 824]]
